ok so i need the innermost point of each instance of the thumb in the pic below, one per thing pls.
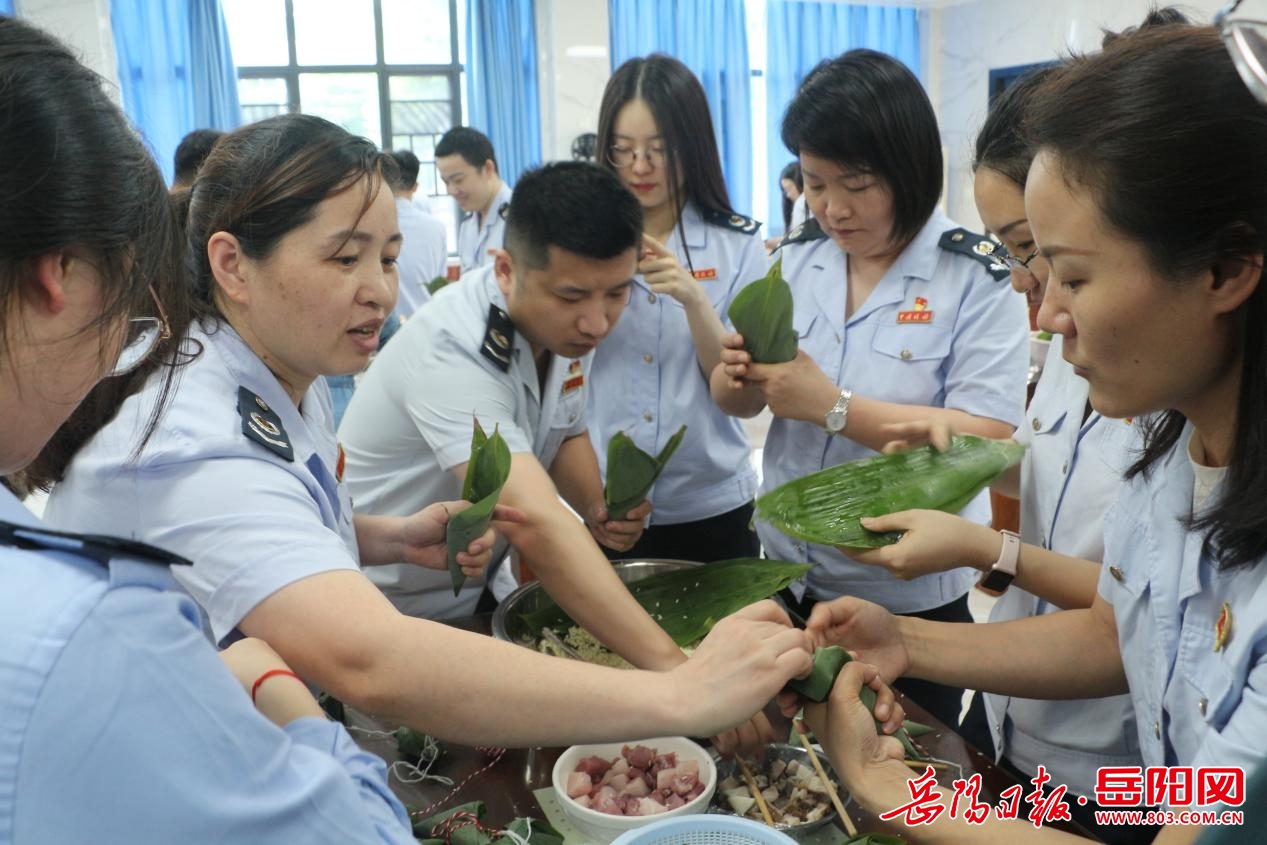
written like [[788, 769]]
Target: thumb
[[899, 521]]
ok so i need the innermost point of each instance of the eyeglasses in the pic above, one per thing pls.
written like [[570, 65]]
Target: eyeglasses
[[144, 334], [1001, 255], [623, 157], [1247, 42]]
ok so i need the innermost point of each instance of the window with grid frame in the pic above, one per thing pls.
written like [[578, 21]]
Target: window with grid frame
[[390, 70]]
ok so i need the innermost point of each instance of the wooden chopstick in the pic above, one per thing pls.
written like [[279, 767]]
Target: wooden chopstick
[[799, 728], [920, 765], [756, 792]]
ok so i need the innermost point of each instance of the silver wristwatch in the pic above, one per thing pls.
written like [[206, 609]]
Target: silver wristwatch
[[835, 419]]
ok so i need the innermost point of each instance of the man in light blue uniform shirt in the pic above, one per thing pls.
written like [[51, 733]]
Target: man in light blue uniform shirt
[[424, 252], [468, 168], [647, 379], [510, 346]]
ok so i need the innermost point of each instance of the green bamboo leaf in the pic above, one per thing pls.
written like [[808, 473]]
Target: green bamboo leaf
[[687, 602], [436, 283], [826, 506], [486, 473], [762, 313], [875, 839], [631, 472], [915, 729], [423, 827], [817, 687]]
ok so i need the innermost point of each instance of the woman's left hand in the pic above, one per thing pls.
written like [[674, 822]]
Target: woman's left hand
[[932, 541], [796, 389], [423, 537], [846, 728], [665, 275]]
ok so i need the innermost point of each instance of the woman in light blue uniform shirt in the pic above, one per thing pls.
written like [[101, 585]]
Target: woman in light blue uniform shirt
[[118, 723], [1155, 252], [650, 374], [1071, 472], [291, 246], [899, 312]]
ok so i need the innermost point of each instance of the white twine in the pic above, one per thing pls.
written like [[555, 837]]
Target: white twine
[[407, 772]]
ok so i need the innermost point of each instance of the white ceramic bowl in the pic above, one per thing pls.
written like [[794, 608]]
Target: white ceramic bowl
[[603, 827]]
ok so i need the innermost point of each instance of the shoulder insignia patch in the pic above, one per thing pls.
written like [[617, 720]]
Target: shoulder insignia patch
[[499, 338], [261, 424], [805, 232], [734, 222], [977, 247]]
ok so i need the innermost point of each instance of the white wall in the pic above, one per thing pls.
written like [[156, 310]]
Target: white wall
[[573, 65], [972, 38], [85, 27]]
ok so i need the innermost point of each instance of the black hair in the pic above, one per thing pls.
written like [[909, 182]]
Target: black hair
[[472, 144], [77, 179], [575, 206], [792, 172], [407, 167], [192, 152], [865, 110], [265, 180], [1003, 145], [680, 108], [1162, 132], [1167, 16]]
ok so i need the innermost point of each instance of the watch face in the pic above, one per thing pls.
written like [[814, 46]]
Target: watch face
[[835, 420]]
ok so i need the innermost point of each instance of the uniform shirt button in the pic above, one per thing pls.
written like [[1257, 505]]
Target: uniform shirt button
[[1064, 468], [1043, 543], [905, 355], [647, 359], [1157, 729], [647, 416], [1202, 704], [1116, 572], [572, 418], [651, 298], [1037, 424]]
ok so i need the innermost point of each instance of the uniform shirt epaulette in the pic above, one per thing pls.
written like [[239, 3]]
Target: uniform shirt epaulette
[[261, 424], [734, 222], [805, 232], [499, 338], [977, 247]]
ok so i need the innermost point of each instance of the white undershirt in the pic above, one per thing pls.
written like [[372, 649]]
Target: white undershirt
[[1205, 479]]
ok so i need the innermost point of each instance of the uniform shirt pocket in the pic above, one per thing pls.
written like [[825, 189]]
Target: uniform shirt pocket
[[913, 343], [1201, 695], [906, 363]]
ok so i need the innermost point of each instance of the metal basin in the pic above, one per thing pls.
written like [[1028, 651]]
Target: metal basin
[[787, 753], [508, 618]]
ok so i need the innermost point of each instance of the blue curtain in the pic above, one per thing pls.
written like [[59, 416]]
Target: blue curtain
[[710, 37], [502, 90], [6, 7], [175, 70], [800, 34]]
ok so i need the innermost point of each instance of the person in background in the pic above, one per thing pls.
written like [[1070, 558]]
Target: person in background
[[650, 375], [424, 251], [901, 315], [120, 722], [468, 168], [192, 150], [1071, 472], [1160, 303], [291, 250], [792, 189]]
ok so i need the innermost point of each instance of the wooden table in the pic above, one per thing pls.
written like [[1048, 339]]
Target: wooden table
[[506, 788]]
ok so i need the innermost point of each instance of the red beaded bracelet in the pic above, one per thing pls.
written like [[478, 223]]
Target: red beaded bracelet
[[271, 673]]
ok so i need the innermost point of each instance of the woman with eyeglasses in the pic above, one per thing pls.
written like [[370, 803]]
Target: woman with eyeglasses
[[1155, 252], [290, 254], [1070, 474], [650, 374], [118, 722], [901, 315]]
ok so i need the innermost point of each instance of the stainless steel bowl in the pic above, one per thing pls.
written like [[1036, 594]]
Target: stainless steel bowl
[[508, 618], [780, 751]]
